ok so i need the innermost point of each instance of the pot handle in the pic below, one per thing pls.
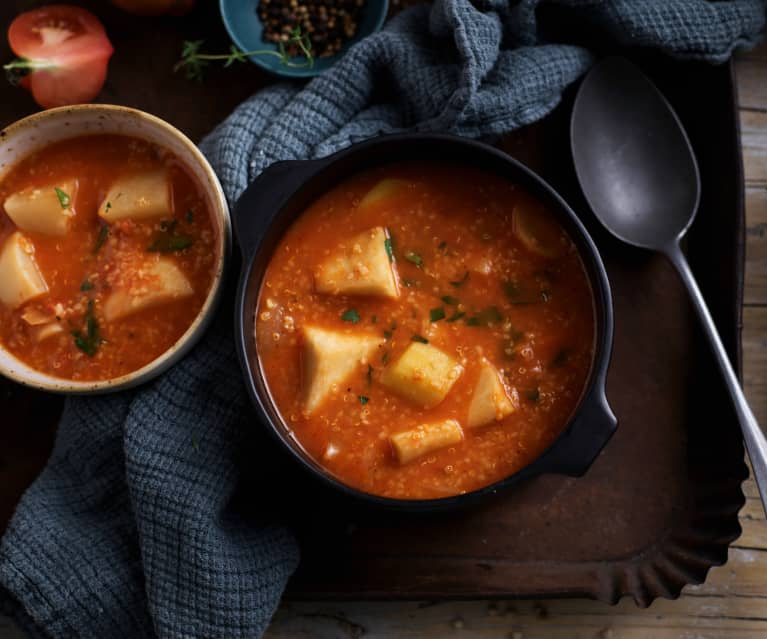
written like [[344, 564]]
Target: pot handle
[[588, 434], [265, 196]]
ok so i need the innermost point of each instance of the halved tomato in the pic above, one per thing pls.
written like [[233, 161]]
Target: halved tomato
[[65, 50], [155, 7]]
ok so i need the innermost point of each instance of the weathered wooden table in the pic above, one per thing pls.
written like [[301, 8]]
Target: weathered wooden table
[[733, 601]]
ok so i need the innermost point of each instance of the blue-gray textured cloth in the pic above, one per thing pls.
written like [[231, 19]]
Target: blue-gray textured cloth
[[132, 530]]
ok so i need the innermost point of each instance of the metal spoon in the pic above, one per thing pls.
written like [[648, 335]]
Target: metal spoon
[[639, 174]]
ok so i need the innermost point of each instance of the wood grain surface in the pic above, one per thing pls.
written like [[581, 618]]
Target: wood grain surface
[[733, 601]]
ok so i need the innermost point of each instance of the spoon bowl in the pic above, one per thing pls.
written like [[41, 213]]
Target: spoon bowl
[[638, 172]]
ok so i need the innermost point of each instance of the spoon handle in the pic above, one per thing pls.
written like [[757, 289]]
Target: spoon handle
[[756, 444]]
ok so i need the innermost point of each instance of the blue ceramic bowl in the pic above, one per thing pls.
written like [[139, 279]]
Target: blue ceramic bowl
[[245, 29]]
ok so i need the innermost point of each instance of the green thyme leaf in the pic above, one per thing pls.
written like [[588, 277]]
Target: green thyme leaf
[[363, 400], [486, 317], [87, 285], [533, 394], [189, 216], [455, 316], [436, 314], [413, 257], [89, 340], [101, 238], [351, 316], [451, 301], [420, 339], [64, 198], [389, 249]]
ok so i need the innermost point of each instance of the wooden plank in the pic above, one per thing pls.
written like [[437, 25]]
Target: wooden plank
[[755, 360], [755, 290], [753, 131], [751, 74]]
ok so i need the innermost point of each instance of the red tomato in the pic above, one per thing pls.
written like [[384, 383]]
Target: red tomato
[[67, 50], [155, 7]]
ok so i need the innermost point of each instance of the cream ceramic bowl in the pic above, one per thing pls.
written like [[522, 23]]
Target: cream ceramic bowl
[[41, 129]]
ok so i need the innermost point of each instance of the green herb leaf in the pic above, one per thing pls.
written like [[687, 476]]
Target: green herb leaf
[[437, 314], [101, 238], [442, 246], [462, 281], [518, 296], [452, 301], [90, 340], [533, 394], [87, 285], [168, 241], [389, 249], [455, 316], [408, 283], [385, 358], [369, 375], [351, 316], [363, 400], [189, 216], [413, 257], [486, 317], [64, 198], [109, 205], [419, 338], [387, 334]]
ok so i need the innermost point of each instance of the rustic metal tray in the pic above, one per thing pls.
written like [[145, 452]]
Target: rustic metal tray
[[659, 506]]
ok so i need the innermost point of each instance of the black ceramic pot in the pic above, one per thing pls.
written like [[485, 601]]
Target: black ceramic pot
[[274, 200]]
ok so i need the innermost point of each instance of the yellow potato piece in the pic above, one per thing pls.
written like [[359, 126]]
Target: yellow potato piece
[[425, 439], [138, 197], [423, 374], [328, 359], [40, 210], [490, 401], [44, 331], [382, 190], [360, 266], [20, 277], [160, 282]]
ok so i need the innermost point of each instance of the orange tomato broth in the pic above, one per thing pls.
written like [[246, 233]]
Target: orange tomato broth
[[458, 220], [130, 342]]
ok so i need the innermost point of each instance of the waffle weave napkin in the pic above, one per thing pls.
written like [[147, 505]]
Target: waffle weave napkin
[[136, 527]]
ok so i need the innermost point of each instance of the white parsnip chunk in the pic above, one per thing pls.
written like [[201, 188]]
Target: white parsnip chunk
[[44, 331], [490, 401], [160, 282], [425, 439], [138, 197], [46, 209], [382, 190], [423, 374], [328, 359], [20, 277], [359, 266]]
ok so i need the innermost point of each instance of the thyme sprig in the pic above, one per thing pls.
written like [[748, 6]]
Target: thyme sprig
[[194, 62]]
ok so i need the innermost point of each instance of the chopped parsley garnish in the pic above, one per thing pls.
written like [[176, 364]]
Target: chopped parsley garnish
[[351, 316], [520, 297], [189, 216], [455, 316], [462, 281], [413, 257], [389, 249], [408, 283], [486, 317], [533, 394], [420, 339], [363, 400], [101, 238], [87, 285], [374, 319], [385, 358], [89, 340], [64, 198], [108, 206], [442, 245], [452, 301], [387, 334], [369, 375], [168, 241], [437, 314]]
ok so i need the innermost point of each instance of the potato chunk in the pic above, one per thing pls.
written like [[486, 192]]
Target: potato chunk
[[425, 439], [20, 278], [382, 190], [43, 209], [44, 331], [328, 359], [423, 374], [360, 266], [490, 401], [158, 283], [138, 197]]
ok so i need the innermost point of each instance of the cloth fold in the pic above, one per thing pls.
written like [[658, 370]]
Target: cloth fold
[[132, 530]]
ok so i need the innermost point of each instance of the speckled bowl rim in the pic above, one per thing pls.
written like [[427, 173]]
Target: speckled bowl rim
[[217, 201]]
